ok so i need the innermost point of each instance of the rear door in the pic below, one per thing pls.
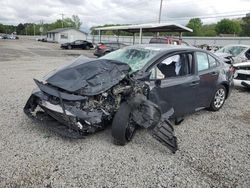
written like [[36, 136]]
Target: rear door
[[177, 91], [208, 73]]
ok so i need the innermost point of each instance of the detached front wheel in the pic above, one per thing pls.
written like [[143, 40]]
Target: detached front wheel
[[123, 128], [218, 99]]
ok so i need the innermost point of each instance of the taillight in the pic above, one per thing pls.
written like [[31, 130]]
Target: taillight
[[102, 46]]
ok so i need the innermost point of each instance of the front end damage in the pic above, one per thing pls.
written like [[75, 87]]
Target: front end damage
[[242, 75], [88, 112]]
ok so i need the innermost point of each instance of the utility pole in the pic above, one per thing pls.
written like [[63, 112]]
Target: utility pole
[[62, 19], [159, 20], [34, 29], [41, 29]]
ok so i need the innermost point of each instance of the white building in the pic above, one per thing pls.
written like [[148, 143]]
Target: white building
[[64, 35]]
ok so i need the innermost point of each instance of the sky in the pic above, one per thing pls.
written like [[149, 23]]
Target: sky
[[99, 12]]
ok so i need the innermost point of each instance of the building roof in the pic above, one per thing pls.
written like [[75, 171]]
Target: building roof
[[149, 27], [64, 29]]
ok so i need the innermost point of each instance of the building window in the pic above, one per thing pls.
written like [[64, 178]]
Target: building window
[[64, 35]]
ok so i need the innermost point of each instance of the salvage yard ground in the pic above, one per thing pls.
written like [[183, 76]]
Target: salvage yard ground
[[213, 150]]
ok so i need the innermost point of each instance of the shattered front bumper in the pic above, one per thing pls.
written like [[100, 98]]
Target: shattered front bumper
[[67, 114], [242, 78]]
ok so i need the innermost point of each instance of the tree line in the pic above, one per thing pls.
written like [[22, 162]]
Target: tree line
[[235, 27], [41, 28]]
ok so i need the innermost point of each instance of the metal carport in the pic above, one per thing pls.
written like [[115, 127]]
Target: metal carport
[[149, 27]]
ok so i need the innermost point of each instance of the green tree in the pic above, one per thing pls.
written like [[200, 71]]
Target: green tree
[[245, 26], [227, 26], [196, 25], [20, 29], [76, 22], [2, 28], [209, 30]]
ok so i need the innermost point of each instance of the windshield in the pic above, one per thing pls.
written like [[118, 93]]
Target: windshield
[[234, 50], [135, 58]]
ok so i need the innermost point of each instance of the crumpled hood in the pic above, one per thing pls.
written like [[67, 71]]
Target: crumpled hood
[[87, 76]]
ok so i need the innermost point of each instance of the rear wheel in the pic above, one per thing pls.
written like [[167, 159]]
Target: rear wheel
[[87, 47], [105, 53], [218, 99], [123, 128]]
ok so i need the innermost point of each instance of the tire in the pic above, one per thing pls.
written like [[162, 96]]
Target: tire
[[218, 98], [87, 47], [122, 128], [69, 47], [105, 53]]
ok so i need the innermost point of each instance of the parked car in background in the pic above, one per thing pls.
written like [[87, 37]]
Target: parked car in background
[[239, 53], [242, 74], [4, 36], [80, 44], [42, 39], [13, 37], [168, 40], [135, 86], [104, 48]]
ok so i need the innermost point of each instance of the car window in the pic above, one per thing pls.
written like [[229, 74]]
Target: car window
[[173, 66], [153, 40], [162, 41], [202, 61], [233, 50], [78, 42], [212, 61]]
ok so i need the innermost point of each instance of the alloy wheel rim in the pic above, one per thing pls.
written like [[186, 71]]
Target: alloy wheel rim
[[219, 98]]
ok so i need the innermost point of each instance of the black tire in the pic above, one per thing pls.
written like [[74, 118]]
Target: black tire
[[122, 128], [69, 47], [218, 98], [105, 53]]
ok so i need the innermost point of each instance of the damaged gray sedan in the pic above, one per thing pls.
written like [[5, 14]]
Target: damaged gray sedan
[[138, 86]]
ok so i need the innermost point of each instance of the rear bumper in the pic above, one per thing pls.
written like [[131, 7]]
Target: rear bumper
[[98, 53]]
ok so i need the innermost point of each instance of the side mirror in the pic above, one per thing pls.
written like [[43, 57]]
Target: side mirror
[[143, 76]]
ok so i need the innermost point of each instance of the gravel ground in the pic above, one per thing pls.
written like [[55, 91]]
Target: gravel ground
[[213, 146]]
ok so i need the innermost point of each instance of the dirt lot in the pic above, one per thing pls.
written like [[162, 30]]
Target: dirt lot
[[214, 147]]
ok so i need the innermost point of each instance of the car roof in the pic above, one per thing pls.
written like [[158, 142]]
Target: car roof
[[162, 47]]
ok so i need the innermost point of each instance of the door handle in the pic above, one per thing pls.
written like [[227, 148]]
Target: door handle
[[194, 83]]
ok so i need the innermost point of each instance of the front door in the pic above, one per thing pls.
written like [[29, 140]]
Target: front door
[[174, 84]]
